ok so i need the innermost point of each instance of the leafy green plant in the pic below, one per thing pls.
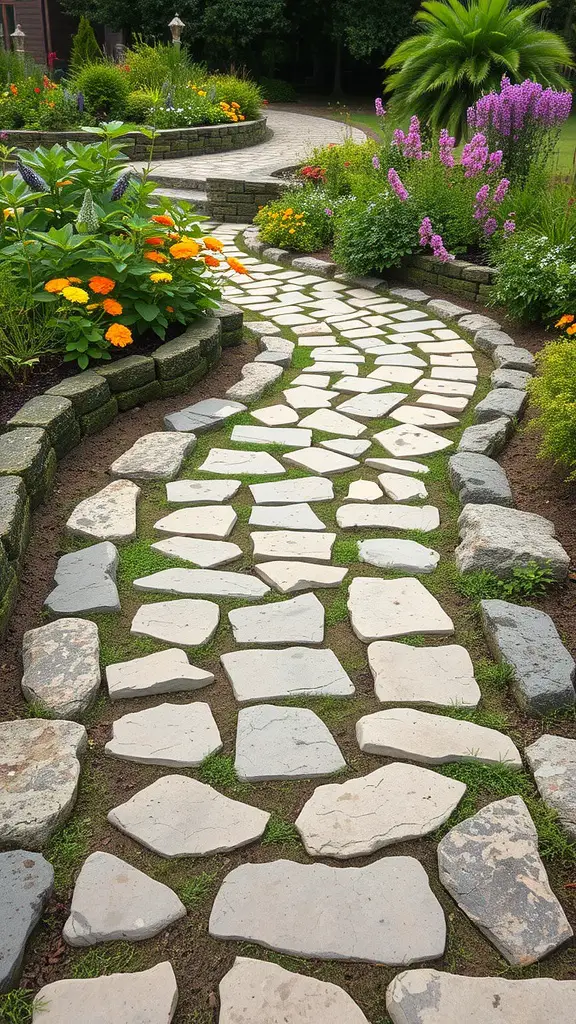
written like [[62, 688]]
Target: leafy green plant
[[105, 89], [17, 1006], [525, 582], [157, 64], [536, 278], [276, 90], [85, 49], [553, 392], [300, 220], [25, 333], [375, 236], [218, 770], [231, 89]]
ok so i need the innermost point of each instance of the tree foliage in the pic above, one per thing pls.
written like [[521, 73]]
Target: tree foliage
[[85, 49]]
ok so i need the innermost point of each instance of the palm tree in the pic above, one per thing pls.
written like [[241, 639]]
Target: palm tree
[[463, 51]]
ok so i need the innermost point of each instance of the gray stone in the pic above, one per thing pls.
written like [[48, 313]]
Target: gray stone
[[175, 735], [87, 391], [509, 357], [202, 416], [391, 915], [410, 294], [276, 255], [257, 991], [293, 672], [26, 881], [177, 816], [286, 517], [398, 517], [256, 377], [40, 779], [86, 582], [502, 539], [381, 609], [490, 865], [53, 414], [27, 453], [204, 583], [14, 516], [501, 402], [297, 621], [163, 672], [113, 900], [261, 328], [371, 406], [487, 339], [148, 997], [510, 379], [289, 577], [157, 456], [287, 492], [478, 479], [275, 357], [186, 621], [476, 322], [298, 544], [487, 438], [447, 309], [390, 805], [553, 762], [62, 667], [239, 463], [274, 343], [108, 515], [314, 266], [287, 437], [440, 676], [526, 639], [204, 553], [284, 743], [128, 373], [213, 522], [390, 553]]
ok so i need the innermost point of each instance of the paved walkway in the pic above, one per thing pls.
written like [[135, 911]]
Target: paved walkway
[[295, 136]]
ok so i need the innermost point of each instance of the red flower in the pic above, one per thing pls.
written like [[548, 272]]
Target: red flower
[[52, 58], [36, 89]]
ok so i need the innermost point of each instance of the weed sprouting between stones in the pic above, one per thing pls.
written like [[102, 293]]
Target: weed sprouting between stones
[[117, 958], [196, 890], [279, 831]]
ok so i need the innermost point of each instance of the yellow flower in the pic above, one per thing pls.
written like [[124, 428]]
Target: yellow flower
[[292, 231], [73, 294], [201, 92], [160, 276]]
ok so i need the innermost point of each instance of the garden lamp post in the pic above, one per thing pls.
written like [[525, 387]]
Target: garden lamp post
[[176, 26], [18, 36]]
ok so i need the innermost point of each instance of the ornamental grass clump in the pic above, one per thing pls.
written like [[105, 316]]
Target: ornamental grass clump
[[553, 392]]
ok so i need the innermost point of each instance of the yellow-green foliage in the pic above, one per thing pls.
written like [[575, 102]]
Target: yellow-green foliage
[[554, 392]]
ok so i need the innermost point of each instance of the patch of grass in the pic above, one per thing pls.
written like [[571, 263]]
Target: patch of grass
[[345, 551], [35, 709], [67, 848], [196, 890], [488, 718], [138, 559], [17, 1006], [279, 831], [493, 676], [218, 771], [337, 610], [118, 959], [525, 583]]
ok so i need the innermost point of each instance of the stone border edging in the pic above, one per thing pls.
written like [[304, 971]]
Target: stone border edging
[[48, 426], [470, 280]]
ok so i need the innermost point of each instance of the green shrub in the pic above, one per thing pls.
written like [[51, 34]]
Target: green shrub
[[300, 220], [536, 279], [276, 90], [24, 332], [105, 89], [139, 106], [375, 236], [554, 393], [156, 65], [85, 49], [229, 89], [348, 168]]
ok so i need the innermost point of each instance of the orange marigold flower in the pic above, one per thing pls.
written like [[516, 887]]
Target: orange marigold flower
[[13, 90], [211, 261], [566, 319], [163, 218], [75, 280], [169, 309], [101, 285], [213, 243], [174, 236], [154, 240], [67, 181], [112, 307], [56, 285], [235, 106], [119, 335], [235, 264], [156, 257], [185, 249], [571, 330]]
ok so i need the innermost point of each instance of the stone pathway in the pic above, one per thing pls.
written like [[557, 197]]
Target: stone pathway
[[280, 534]]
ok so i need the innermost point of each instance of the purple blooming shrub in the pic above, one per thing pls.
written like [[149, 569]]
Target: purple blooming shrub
[[410, 145], [428, 237], [400, 190]]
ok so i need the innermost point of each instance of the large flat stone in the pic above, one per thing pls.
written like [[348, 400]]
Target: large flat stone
[[321, 461], [234, 462], [205, 553], [309, 397], [399, 487], [202, 416], [284, 743], [148, 997], [334, 366], [392, 553], [289, 577], [204, 583], [432, 385], [293, 672], [510, 379], [275, 415], [363, 490], [112, 900], [40, 773], [396, 374], [176, 735], [257, 992], [163, 672], [85, 582], [407, 440], [428, 997], [26, 881], [491, 866], [433, 739], [287, 437], [256, 377], [390, 805], [298, 544], [479, 480], [201, 492], [177, 816], [286, 517], [287, 492], [510, 357], [371, 406], [331, 422], [297, 621], [380, 609], [398, 465], [553, 762], [108, 515], [391, 915], [155, 456], [62, 667], [213, 522], [398, 517], [186, 621], [502, 539], [439, 676], [359, 385]]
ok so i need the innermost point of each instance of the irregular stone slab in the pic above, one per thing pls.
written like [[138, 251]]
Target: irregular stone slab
[[407, 440], [214, 522], [26, 882], [406, 359], [346, 446], [490, 865], [156, 456], [148, 997], [363, 490], [309, 398], [359, 385], [62, 667], [275, 344], [444, 348], [399, 487], [320, 461], [185, 622], [288, 437], [391, 915], [456, 359], [487, 438], [239, 463], [426, 997], [398, 517], [203, 582], [445, 308], [294, 672], [421, 417], [85, 582], [301, 330], [446, 387], [287, 492], [433, 739], [350, 369], [527, 640], [163, 672], [510, 357], [297, 621], [410, 294], [479, 480], [396, 374], [284, 743], [465, 374], [390, 805], [202, 416], [205, 553], [112, 900], [177, 816], [390, 553], [290, 577], [510, 379], [488, 339], [179, 735], [501, 402], [108, 515], [286, 517], [476, 322], [441, 676], [254, 990], [275, 415], [553, 762], [201, 492], [299, 544], [331, 422], [256, 377], [319, 380], [387, 608], [261, 328], [398, 465], [500, 539], [371, 406], [40, 779]]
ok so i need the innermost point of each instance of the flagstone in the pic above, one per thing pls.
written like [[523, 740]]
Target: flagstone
[[433, 739], [396, 374], [163, 672], [288, 492], [201, 492], [202, 416], [286, 517], [320, 461], [261, 328], [299, 620], [553, 762], [447, 403], [85, 582], [362, 331], [406, 359], [381, 609], [390, 553], [177, 816], [291, 319], [337, 352], [274, 356], [397, 517], [391, 915], [444, 347], [146, 997], [411, 337], [309, 398], [363, 490], [393, 804], [409, 315], [206, 554], [420, 417], [346, 446], [202, 582], [501, 539], [319, 380], [445, 334], [284, 743], [156, 456], [388, 348], [213, 522], [375, 320], [300, 544], [286, 436], [310, 340], [185, 621], [256, 377], [463, 359], [407, 439], [399, 487], [289, 577], [240, 463], [331, 422], [293, 672], [275, 415], [61, 663], [26, 882], [398, 465], [347, 368], [466, 374], [301, 330], [108, 515], [439, 676], [411, 326], [371, 406], [180, 735], [359, 385], [445, 387]]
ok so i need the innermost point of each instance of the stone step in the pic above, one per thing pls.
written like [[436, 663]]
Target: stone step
[[197, 197]]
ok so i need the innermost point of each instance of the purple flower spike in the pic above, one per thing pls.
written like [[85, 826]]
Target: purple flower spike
[[379, 107], [375, 162], [400, 190]]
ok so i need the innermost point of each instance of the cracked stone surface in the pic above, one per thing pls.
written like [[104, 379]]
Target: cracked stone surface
[[398, 554], [155, 456], [163, 672], [113, 900], [284, 743], [491, 866], [85, 582], [186, 621], [296, 621], [433, 739], [291, 576], [440, 676], [213, 522], [299, 544], [62, 666], [380, 609], [179, 735], [408, 440], [399, 487], [256, 377], [553, 762], [148, 997], [207, 554], [287, 492], [203, 582], [399, 517], [286, 517], [201, 492], [501, 539], [238, 463], [108, 515], [202, 415], [293, 672], [177, 816], [26, 882]]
